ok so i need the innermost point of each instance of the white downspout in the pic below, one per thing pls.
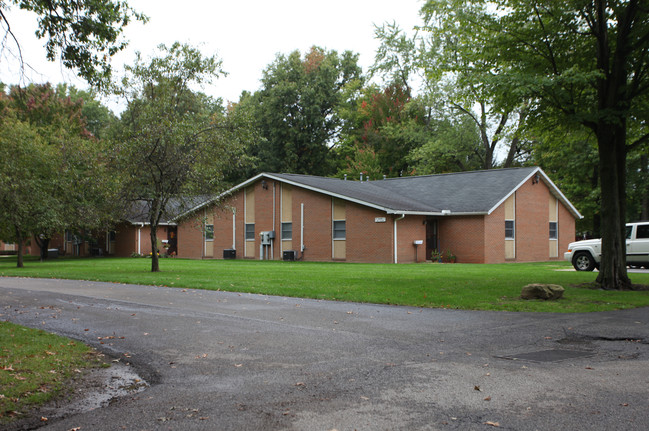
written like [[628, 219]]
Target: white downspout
[[302, 228], [395, 236], [234, 228], [272, 242], [139, 238]]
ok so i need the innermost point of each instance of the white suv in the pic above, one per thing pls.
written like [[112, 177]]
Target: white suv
[[586, 255]]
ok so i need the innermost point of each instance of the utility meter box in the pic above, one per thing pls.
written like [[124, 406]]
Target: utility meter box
[[265, 237]]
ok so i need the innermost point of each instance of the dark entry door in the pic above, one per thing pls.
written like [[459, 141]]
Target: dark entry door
[[172, 238], [431, 236]]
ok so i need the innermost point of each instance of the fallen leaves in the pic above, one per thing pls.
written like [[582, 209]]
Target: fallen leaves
[[493, 424]]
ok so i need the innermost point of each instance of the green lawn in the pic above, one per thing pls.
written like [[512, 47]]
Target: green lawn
[[34, 366], [462, 286]]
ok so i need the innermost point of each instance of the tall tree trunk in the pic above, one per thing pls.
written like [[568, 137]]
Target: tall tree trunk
[[612, 171], [155, 263], [155, 212], [43, 244], [19, 241]]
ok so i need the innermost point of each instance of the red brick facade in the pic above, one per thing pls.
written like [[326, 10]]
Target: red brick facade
[[370, 233]]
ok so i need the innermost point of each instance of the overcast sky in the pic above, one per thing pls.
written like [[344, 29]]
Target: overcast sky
[[246, 35]]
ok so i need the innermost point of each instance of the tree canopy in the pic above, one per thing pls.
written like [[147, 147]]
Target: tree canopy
[[54, 173], [297, 110], [83, 34]]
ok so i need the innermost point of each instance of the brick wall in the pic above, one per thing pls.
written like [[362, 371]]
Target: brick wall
[[317, 224], [494, 236], [464, 236], [532, 222], [190, 236], [367, 240], [409, 229], [532, 227], [566, 229]]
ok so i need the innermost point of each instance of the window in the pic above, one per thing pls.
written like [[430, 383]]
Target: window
[[250, 231], [509, 229], [339, 229], [553, 230], [287, 230], [643, 231], [209, 232]]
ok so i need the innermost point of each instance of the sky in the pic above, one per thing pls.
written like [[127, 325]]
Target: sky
[[246, 35]]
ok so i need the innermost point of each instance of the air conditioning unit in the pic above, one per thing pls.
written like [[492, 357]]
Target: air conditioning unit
[[288, 255], [229, 253]]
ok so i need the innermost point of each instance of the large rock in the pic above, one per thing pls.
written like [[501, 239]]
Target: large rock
[[542, 291]]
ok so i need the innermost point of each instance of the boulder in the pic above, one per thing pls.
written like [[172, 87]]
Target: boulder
[[542, 291]]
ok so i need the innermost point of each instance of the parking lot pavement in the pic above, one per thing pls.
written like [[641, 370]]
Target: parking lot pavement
[[230, 361]]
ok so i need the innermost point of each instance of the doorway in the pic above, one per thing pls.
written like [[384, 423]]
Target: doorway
[[432, 239], [172, 240]]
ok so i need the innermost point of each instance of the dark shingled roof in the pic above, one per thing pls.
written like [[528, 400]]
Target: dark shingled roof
[[475, 192], [462, 192], [138, 211]]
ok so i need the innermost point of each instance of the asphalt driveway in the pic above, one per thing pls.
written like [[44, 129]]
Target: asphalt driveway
[[229, 361]]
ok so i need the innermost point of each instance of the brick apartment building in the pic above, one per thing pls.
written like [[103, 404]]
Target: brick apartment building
[[491, 216]]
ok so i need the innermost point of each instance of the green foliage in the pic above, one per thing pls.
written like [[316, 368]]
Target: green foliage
[[54, 173], [455, 86], [34, 367], [28, 181], [570, 157], [298, 110], [453, 146], [83, 34], [174, 143]]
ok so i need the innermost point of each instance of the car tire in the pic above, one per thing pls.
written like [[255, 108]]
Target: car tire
[[583, 261]]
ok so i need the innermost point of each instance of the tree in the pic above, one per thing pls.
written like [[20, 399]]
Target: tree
[[450, 74], [26, 190], [584, 61], [453, 145], [385, 126], [175, 144], [83, 34], [298, 110], [54, 172]]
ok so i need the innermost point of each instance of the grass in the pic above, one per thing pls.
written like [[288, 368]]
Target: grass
[[34, 367], [460, 286]]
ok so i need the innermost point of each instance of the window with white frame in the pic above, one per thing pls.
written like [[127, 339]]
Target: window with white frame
[[554, 234], [250, 231], [510, 231], [287, 230], [209, 232], [339, 229]]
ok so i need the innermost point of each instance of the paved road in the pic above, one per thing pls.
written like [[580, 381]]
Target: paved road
[[228, 361]]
